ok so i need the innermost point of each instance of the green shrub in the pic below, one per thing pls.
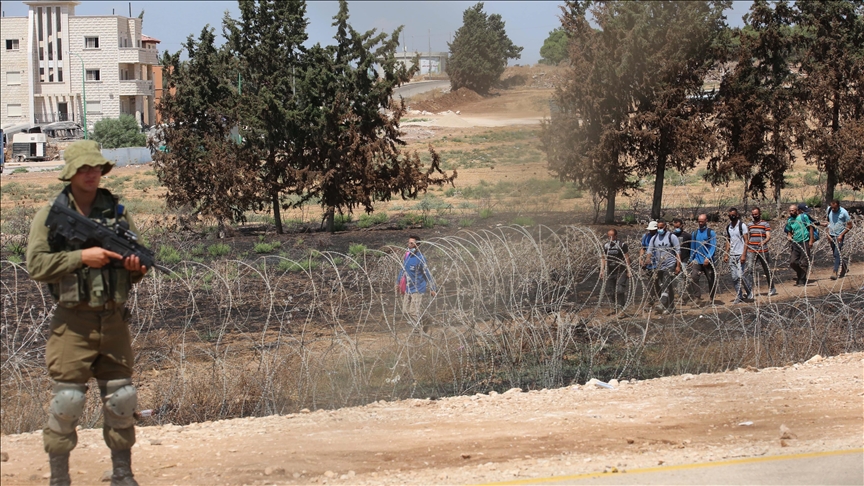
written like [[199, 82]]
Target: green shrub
[[523, 221], [218, 250], [450, 192], [629, 218], [465, 222], [485, 213], [168, 254], [198, 250], [119, 132], [571, 192], [262, 247], [368, 220], [20, 170], [811, 178], [815, 201], [357, 249]]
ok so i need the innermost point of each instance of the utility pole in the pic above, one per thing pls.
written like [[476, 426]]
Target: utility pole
[[430, 42], [83, 92]]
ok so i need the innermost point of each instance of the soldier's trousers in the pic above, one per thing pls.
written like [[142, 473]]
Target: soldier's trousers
[[86, 344]]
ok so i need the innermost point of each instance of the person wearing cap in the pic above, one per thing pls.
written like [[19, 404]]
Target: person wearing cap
[[647, 263], [89, 335], [799, 232]]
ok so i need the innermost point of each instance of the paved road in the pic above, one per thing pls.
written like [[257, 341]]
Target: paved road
[[817, 468], [411, 89]]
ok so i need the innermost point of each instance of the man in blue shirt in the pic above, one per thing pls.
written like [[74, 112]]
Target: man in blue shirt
[[839, 223], [703, 248], [413, 280]]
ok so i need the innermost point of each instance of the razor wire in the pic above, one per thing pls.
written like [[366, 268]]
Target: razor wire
[[515, 307]]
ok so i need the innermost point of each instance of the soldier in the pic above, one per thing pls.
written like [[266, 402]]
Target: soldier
[[90, 326]]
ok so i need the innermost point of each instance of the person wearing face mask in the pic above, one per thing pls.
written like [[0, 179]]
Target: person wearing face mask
[[736, 255], [665, 248], [759, 234], [647, 263], [684, 238], [412, 282], [615, 264], [703, 249], [799, 232]]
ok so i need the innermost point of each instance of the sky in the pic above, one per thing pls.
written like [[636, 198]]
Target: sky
[[426, 23]]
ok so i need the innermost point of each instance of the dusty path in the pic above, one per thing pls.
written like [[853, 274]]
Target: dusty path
[[496, 437]]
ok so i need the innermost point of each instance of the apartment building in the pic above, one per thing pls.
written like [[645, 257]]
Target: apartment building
[[55, 65]]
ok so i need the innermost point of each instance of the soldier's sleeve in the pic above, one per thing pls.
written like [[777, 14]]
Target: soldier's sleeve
[[43, 265], [134, 277]]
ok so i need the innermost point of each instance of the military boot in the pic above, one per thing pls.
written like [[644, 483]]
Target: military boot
[[121, 461], [59, 469]]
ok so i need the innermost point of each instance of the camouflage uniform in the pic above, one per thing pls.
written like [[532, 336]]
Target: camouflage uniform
[[90, 326]]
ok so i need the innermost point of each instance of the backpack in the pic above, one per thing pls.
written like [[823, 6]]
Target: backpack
[[740, 230], [808, 223], [403, 282], [711, 233]]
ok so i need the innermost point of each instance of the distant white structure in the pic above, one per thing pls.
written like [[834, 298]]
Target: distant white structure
[[41, 66], [429, 63]]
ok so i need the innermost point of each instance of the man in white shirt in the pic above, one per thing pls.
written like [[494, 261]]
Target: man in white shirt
[[736, 256]]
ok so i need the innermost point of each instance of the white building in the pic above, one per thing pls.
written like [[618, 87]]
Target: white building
[[41, 64]]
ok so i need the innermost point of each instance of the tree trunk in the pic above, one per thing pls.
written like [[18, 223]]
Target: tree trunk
[[657, 203], [277, 213], [746, 192], [777, 200], [831, 165], [610, 207], [330, 222]]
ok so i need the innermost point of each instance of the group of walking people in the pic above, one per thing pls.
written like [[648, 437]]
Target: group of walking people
[[665, 251]]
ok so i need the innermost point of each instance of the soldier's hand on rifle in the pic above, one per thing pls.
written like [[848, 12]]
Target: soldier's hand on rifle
[[97, 257], [133, 264]]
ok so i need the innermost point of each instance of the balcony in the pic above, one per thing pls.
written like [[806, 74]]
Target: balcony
[[137, 55], [136, 87]]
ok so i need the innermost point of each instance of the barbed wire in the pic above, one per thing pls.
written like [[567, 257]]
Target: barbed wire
[[516, 307]]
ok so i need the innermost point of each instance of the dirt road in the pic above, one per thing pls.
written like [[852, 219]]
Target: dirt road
[[813, 406]]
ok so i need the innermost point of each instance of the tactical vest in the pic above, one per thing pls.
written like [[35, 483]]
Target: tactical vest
[[96, 286]]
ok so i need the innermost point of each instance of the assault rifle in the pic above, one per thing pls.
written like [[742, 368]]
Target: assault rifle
[[76, 228]]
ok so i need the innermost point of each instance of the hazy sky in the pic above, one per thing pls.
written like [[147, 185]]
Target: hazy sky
[[527, 23]]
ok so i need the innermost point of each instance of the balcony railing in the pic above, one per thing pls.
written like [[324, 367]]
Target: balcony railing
[[138, 55], [136, 87]]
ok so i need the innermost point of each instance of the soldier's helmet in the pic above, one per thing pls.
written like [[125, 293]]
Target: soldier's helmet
[[81, 153]]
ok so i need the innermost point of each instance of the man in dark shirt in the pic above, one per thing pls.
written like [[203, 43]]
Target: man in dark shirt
[[615, 264]]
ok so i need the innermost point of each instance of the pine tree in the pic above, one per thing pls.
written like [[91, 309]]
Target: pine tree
[[352, 154], [480, 51], [669, 46], [831, 40], [756, 115], [584, 142], [555, 47], [201, 166], [267, 42]]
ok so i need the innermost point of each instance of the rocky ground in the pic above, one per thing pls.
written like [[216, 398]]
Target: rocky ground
[[804, 407]]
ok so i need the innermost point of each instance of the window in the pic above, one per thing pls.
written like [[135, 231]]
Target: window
[[94, 107], [50, 51], [41, 53], [13, 110], [50, 74], [41, 75], [13, 77], [93, 75], [11, 44], [59, 49], [57, 10], [59, 74], [91, 42], [39, 20]]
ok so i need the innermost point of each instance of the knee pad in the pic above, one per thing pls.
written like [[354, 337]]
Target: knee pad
[[67, 406], [119, 400]]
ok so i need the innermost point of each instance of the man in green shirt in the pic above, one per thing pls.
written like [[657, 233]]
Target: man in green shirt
[[90, 326], [799, 232]]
